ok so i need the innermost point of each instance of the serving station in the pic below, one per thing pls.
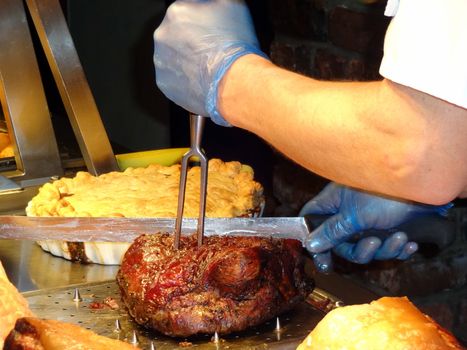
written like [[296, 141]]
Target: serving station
[[79, 293]]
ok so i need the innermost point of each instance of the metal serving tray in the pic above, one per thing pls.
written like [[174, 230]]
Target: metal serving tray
[[93, 313]]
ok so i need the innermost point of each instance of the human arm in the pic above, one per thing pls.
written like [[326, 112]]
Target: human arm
[[379, 136]]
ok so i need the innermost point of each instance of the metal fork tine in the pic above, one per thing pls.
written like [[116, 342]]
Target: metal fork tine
[[181, 199], [196, 131], [202, 196]]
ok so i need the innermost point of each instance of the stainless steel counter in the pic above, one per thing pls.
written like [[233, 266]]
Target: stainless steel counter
[[30, 268], [41, 275]]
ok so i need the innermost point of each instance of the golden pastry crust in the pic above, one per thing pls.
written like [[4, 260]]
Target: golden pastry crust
[[6, 148], [387, 323], [36, 333], [150, 192], [12, 306]]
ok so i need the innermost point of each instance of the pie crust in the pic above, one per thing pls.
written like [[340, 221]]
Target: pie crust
[[151, 191]]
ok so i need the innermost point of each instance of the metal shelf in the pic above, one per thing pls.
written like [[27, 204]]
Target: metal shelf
[[22, 97]]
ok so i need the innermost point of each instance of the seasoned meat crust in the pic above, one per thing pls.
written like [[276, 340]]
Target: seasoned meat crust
[[226, 285]]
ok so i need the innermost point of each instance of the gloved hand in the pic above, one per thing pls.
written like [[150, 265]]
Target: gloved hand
[[355, 211], [194, 47]]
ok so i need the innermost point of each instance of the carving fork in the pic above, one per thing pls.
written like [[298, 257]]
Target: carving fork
[[196, 133]]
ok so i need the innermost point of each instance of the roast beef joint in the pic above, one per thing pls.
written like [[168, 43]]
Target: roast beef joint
[[226, 285]]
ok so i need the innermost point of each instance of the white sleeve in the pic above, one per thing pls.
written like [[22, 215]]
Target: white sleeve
[[425, 47]]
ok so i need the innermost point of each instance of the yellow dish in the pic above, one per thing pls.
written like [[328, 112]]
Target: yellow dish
[[165, 157]]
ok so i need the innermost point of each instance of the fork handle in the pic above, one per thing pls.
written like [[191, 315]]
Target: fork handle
[[196, 131]]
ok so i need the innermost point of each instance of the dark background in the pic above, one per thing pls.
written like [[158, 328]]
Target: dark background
[[115, 46]]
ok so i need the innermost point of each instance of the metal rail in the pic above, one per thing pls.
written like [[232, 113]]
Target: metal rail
[[72, 84], [23, 99]]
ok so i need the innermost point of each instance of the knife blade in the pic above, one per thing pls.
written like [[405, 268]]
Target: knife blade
[[84, 229], [425, 229]]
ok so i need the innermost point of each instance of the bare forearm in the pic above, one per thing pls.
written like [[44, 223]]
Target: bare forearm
[[378, 136]]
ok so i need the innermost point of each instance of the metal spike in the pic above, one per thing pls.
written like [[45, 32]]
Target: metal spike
[[278, 325], [76, 295], [215, 338], [339, 303], [152, 346], [134, 338], [278, 336], [118, 326]]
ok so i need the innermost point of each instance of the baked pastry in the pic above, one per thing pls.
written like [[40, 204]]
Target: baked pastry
[[19, 329], [143, 192], [387, 323], [4, 140], [6, 148], [12, 306], [32, 333], [7, 152]]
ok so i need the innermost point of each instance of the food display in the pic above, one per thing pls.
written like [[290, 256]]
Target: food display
[[226, 285], [142, 192], [387, 323]]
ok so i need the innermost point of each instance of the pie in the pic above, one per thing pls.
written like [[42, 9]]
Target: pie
[[150, 191]]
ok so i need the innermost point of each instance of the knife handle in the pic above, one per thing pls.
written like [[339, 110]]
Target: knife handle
[[433, 229]]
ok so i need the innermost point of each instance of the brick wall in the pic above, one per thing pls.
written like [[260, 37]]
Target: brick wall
[[343, 40], [332, 40]]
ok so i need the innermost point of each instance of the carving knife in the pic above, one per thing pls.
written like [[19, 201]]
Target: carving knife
[[424, 229]]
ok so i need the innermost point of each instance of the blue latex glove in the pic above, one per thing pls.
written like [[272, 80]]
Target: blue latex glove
[[356, 211], [194, 47]]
